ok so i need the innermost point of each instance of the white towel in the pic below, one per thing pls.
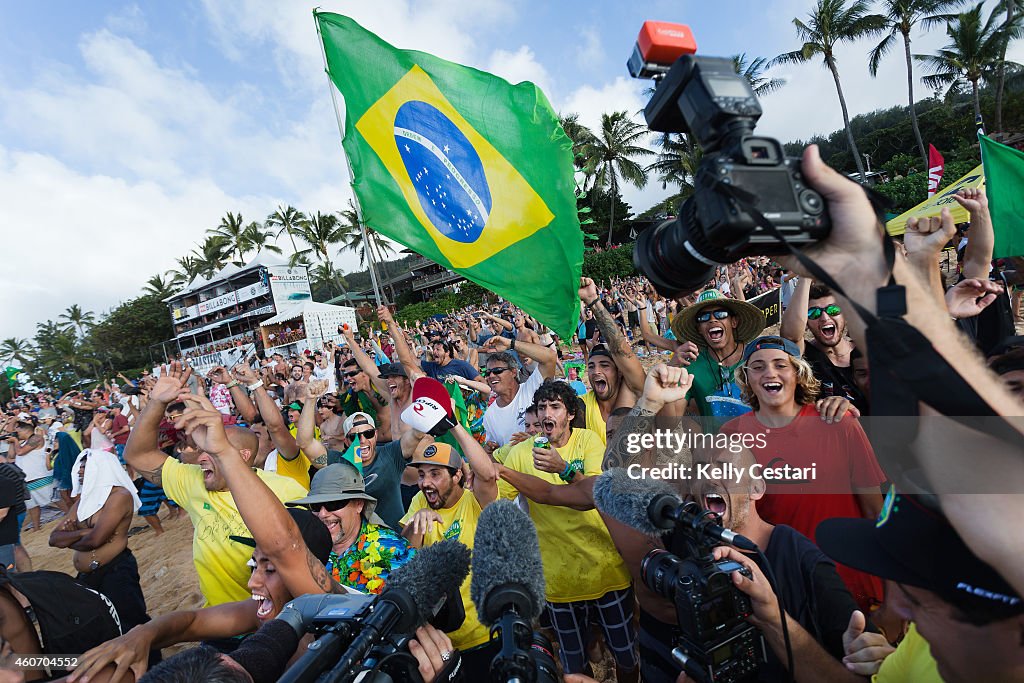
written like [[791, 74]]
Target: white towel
[[102, 473]]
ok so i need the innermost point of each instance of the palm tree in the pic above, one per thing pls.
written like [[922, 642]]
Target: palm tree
[[286, 220], [257, 237], [901, 17], [188, 270], [212, 254], [322, 232], [231, 228], [832, 22], [13, 349], [754, 72], [76, 319], [973, 54], [677, 162], [159, 287], [1011, 16], [611, 156], [580, 135]]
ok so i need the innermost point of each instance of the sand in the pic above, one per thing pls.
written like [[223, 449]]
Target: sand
[[166, 571]]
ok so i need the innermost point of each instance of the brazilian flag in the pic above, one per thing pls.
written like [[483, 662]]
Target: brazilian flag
[[12, 373], [462, 167], [1004, 185]]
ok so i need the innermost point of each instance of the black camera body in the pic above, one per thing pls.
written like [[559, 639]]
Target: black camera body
[[705, 98], [714, 641]]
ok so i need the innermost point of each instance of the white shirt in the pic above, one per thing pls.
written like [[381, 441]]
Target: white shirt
[[33, 464], [501, 423], [327, 374]]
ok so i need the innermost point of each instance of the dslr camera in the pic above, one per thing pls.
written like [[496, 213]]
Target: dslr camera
[[705, 98], [714, 642]]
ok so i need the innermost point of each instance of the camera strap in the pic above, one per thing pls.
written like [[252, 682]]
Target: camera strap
[[906, 369]]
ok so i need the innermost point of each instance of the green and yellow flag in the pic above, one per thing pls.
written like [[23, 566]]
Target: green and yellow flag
[[352, 455], [462, 167], [1004, 177]]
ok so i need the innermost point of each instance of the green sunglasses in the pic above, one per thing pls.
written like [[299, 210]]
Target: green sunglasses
[[814, 312]]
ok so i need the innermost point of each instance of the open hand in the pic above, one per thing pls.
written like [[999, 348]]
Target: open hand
[[173, 379], [204, 424]]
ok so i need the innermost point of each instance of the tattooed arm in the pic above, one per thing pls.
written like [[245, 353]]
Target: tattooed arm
[[663, 387], [622, 353]]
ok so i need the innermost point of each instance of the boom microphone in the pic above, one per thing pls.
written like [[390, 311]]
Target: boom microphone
[[653, 508], [507, 571], [415, 593], [508, 590]]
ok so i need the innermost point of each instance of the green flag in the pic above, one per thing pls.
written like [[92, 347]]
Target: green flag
[[1004, 185], [12, 375], [462, 167], [351, 455]]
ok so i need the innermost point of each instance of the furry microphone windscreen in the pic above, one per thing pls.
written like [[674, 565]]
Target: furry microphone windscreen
[[430, 574], [626, 499], [506, 552]]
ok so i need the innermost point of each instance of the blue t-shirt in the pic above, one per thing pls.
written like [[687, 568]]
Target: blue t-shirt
[[454, 367]]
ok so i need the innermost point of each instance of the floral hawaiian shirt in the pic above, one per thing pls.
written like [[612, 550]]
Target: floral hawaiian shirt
[[366, 564]]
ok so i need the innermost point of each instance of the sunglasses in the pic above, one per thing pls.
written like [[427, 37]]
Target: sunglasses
[[332, 506], [719, 315], [495, 371], [352, 373], [814, 312], [368, 434]]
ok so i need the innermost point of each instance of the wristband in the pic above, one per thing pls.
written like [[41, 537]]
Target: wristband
[[254, 386], [512, 346], [591, 304], [232, 383], [567, 474]]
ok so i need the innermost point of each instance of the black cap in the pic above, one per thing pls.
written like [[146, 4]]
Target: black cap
[[913, 543], [313, 531], [392, 370]]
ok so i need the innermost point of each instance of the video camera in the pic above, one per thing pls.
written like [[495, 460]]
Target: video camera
[[706, 99], [715, 642]]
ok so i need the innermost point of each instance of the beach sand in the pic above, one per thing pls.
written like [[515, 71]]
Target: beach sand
[[166, 571]]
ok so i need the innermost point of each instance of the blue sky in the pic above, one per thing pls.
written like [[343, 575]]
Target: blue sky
[[128, 129]]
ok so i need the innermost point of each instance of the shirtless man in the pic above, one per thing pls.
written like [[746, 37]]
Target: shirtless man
[[616, 376], [96, 528]]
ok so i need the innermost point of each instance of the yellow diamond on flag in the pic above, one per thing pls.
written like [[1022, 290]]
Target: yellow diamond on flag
[[469, 198]]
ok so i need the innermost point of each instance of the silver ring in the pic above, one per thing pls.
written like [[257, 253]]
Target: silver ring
[[446, 655]]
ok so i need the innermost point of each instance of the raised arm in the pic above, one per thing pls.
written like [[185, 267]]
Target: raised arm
[[273, 529], [646, 331], [366, 363], [622, 353], [405, 354], [794, 320], [501, 321], [982, 240], [546, 358], [283, 440], [239, 395], [142, 452], [485, 475], [305, 434], [924, 240]]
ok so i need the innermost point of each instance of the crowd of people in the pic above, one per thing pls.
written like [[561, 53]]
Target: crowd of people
[[326, 472]]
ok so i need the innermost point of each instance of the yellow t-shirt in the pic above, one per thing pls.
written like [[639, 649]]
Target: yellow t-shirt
[[460, 523], [912, 661], [220, 562], [580, 560], [595, 420], [298, 467]]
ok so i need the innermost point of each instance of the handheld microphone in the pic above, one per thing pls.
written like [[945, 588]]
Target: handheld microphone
[[416, 592], [508, 590], [654, 508]]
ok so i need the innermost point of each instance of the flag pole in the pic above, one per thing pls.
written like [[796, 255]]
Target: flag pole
[[348, 165]]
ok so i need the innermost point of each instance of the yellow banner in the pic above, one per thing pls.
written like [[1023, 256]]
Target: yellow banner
[[933, 205]]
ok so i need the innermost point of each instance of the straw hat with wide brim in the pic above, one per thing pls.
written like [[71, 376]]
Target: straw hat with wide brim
[[751, 319]]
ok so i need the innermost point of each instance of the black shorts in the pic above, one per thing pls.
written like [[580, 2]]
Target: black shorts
[[118, 580], [634, 319]]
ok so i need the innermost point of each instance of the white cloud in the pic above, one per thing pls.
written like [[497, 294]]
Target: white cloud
[[128, 19], [519, 66], [590, 50]]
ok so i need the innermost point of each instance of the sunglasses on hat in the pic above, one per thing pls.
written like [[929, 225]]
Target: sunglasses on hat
[[332, 506], [814, 312], [719, 315]]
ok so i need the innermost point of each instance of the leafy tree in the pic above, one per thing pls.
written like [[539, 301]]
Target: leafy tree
[[832, 22], [211, 255], [908, 192], [126, 333], [323, 233], [159, 286], [753, 69], [233, 230], [258, 238], [76, 319], [14, 350], [901, 16], [973, 54], [611, 156], [286, 219], [1012, 14], [677, 162], [603, 266], [580, 135]]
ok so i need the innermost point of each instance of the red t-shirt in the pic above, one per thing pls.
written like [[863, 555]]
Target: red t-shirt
[[120, 422], [843, 460]]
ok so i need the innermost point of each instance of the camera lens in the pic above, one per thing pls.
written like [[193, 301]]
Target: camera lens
[[543, 659], [665, 254], [659, 570]]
